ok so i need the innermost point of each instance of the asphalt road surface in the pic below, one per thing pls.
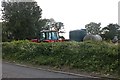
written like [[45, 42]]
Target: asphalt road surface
[[15, 71]]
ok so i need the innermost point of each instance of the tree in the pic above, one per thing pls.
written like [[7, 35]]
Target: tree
[[48, 24], [110, 31], [0, 31], [93, 28], [52, 24], [21, 20], [40, 26], [58, 26]]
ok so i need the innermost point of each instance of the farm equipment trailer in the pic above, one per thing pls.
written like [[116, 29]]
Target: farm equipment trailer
[[49, 36]]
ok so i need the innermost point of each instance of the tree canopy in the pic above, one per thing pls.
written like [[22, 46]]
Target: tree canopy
[[93, 28], [110, 31], [52, 24], [21, 20]]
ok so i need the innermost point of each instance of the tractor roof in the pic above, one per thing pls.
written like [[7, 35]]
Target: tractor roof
[[48, 31]]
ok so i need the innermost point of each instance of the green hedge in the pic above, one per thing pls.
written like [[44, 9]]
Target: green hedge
[[99, 57]]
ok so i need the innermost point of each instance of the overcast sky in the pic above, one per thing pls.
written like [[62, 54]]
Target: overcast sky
[[75, 14]]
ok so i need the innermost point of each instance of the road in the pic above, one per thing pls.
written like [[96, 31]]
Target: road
[[14, 71]]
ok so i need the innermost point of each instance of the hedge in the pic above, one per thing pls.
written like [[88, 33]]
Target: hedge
[[88, 56]]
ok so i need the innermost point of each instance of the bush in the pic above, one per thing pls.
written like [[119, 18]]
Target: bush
[[90, 56]]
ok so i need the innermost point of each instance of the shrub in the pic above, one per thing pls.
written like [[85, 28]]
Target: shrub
[[89, 56]]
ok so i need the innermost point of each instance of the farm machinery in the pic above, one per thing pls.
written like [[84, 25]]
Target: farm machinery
[[49, 36]]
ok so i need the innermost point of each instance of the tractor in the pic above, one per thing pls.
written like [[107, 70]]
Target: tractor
[[49, 36], [52, 32]]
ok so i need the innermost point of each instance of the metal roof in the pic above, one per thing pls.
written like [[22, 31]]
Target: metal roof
[[48, 31]]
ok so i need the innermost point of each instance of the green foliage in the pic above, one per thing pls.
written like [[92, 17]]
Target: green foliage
[[58, 26], [21, 20], [110, 31], [0, 31], [93, 28], [52, 24], [90, 56]]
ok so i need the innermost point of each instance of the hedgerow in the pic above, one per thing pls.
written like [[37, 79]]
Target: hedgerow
[[88, 56]]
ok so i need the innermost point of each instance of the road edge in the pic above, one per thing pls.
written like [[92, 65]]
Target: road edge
[[62, 72]]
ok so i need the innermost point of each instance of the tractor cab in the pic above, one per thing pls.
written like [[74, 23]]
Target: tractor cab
[[49, 36]]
